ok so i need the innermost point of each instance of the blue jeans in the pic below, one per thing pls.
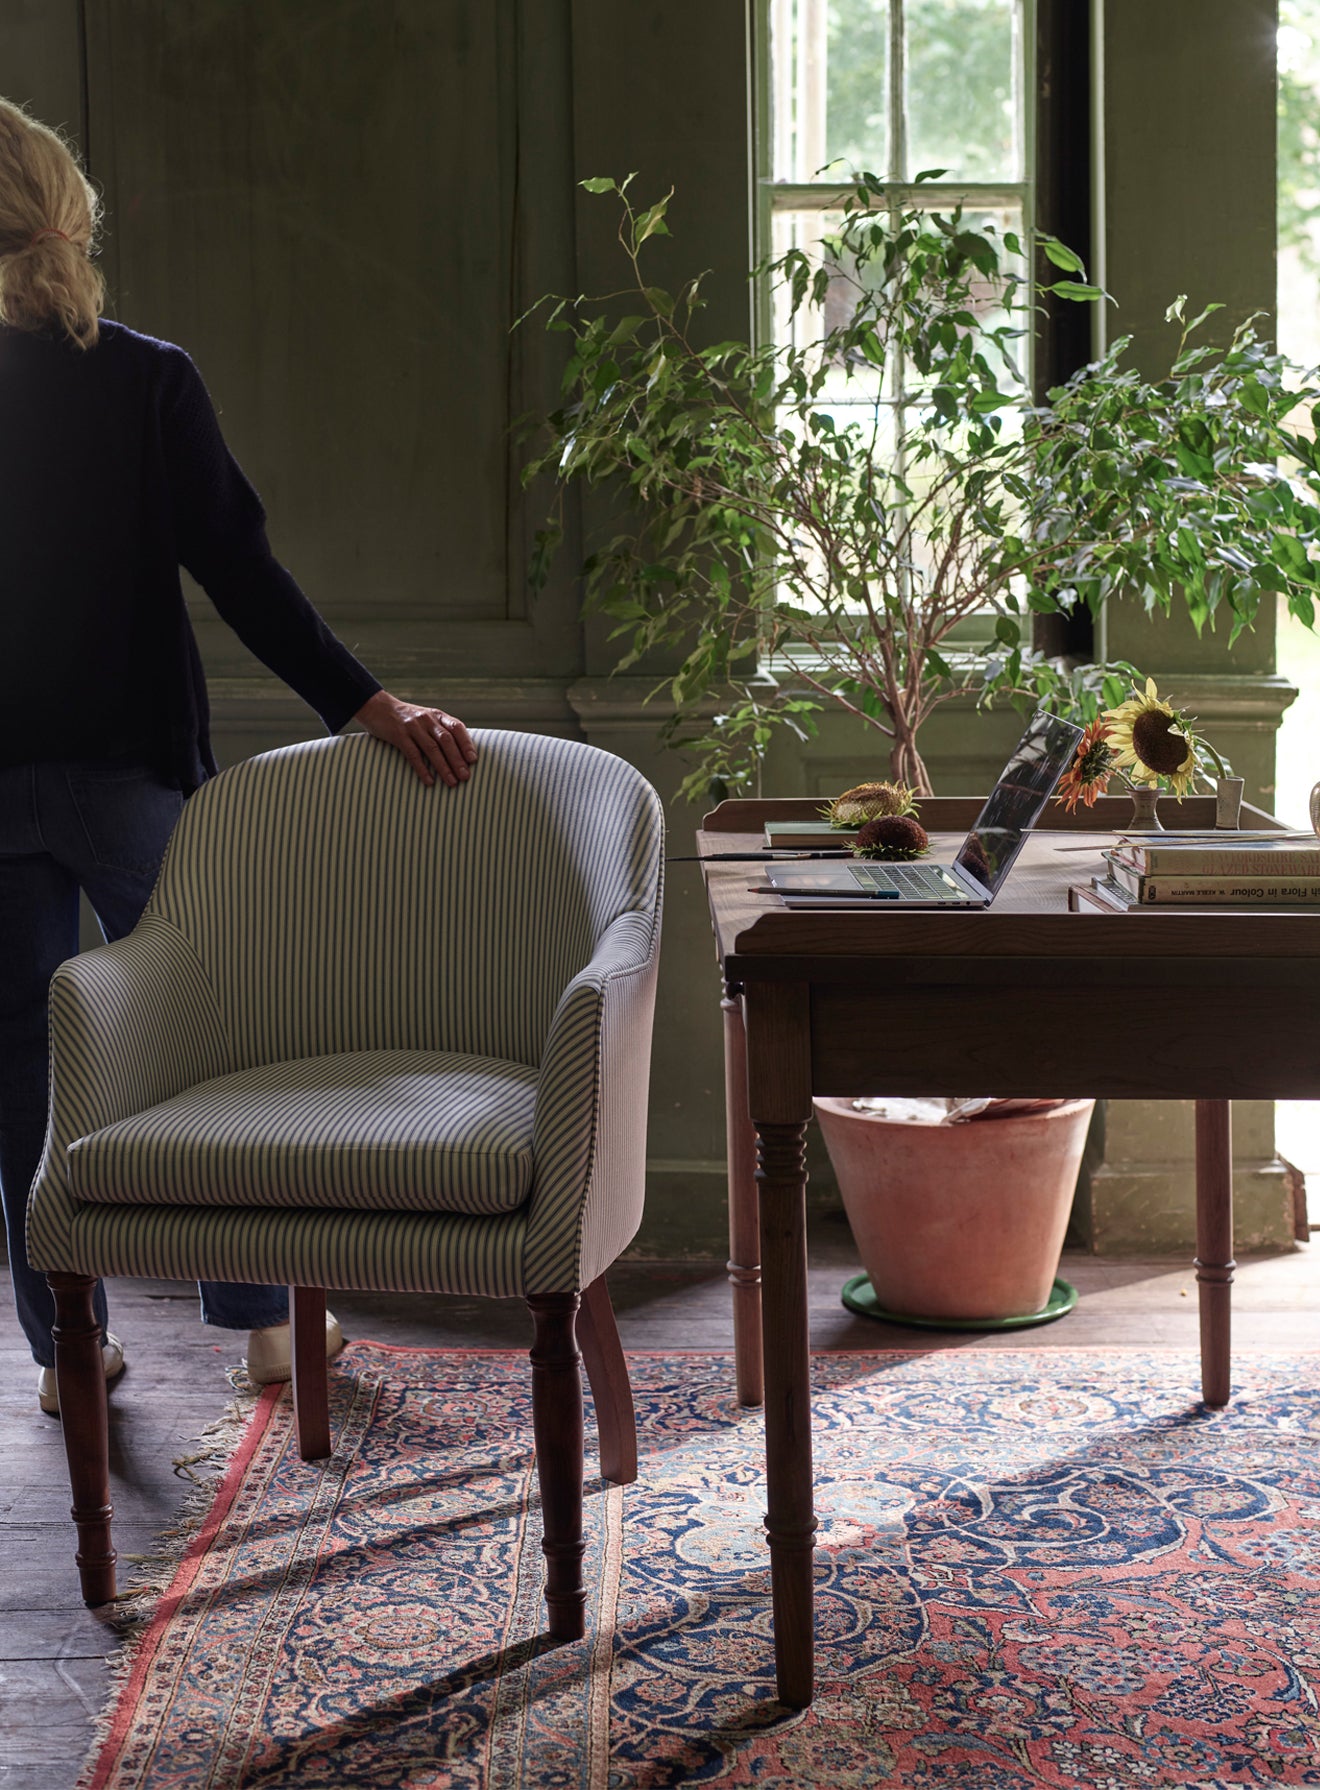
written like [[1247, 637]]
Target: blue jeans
[[102, 827]]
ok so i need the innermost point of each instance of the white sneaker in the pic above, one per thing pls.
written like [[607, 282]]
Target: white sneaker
[[112, 1359], [270, 1352]]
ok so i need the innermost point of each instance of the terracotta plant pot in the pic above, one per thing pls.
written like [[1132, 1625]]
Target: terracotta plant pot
[[958, 1221]]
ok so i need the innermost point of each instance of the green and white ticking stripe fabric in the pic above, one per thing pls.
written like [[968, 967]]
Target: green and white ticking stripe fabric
[[367, 1033], [393, 1130]]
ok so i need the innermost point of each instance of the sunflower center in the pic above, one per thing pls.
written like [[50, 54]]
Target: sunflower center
[[1155, 743]]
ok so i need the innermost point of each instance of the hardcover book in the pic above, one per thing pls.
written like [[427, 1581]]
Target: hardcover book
[[1106, 894], [1289, 855], [807, 835], [1082, 898]]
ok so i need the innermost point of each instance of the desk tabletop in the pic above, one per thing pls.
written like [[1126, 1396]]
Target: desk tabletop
[[1029, 919]]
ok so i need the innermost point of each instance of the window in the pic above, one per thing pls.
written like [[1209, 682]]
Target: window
[[898, 87]]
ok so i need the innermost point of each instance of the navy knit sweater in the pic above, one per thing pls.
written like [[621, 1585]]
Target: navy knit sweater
[[113, 474]]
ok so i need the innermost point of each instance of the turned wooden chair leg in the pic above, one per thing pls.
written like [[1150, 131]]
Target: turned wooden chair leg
[[557, 1425], [80, 1380], [311, 1392], [607, 1375]]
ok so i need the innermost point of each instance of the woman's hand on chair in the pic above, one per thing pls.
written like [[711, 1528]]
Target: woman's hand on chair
[[436, 744]]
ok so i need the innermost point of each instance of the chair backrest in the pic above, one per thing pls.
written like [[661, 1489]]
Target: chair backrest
[[336, 903]]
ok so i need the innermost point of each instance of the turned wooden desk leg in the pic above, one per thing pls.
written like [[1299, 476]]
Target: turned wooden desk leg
[[744, 1263], [1214, 1245], [790, 1517], [80, 1380]]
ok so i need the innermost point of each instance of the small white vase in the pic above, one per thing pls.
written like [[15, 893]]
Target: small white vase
[[1315, 808], [1228, 801]]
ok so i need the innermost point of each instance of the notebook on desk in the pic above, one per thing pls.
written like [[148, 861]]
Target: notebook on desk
[[985, 858]]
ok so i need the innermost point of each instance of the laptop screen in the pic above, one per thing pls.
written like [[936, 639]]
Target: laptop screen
[[1014, 805]]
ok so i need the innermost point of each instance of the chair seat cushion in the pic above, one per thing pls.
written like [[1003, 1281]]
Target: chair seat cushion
[[384, 1130]]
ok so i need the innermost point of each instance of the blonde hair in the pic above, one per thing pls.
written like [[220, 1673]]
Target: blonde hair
[[49, 212]]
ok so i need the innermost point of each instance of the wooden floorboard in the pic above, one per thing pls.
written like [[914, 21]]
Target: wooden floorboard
[[53, 1652]]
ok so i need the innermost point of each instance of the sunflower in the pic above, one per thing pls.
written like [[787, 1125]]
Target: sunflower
[[1088, 775], [1151, 742]]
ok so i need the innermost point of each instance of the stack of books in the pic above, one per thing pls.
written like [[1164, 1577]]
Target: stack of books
[[1246, 870]]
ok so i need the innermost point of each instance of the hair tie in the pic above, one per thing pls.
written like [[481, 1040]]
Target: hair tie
[[49, 230]]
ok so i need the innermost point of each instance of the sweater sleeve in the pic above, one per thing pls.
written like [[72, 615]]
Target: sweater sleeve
[[220, 537]]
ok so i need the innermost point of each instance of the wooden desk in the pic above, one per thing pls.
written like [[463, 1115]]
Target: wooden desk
[[1023, 998]]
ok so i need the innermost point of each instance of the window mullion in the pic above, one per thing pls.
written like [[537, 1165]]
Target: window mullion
[[813, 63], [897, 99]]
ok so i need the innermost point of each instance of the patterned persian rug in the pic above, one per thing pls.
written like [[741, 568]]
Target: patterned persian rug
[[1036, 1568]]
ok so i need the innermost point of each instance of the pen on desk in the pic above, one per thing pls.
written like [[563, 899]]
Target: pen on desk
[[768, 854], [826, 903]]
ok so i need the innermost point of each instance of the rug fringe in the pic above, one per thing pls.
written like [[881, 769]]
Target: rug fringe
[[135, 1606]]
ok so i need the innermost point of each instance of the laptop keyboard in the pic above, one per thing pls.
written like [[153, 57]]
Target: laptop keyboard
[[917, 882]]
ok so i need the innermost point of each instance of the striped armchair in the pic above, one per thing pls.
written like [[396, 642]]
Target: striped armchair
[[370, 1035]]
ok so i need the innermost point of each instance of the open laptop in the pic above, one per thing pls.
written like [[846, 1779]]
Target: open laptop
[[977, 874]]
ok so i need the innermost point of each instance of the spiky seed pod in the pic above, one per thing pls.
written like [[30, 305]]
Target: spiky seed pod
[[891, 836], [869, 801]]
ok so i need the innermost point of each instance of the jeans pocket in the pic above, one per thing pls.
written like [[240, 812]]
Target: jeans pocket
[[127, 814]]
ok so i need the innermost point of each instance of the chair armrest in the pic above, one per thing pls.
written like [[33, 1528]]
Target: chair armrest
[[589, 1136], [131, 1024]]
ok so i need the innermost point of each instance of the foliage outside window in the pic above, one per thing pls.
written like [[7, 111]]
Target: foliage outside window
[[1299, 179]]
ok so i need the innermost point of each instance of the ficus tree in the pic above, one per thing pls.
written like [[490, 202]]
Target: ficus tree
[[814, 520]]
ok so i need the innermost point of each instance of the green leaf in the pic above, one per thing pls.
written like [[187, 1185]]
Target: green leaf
[[652, 222], [1060, 254], [599, 183], [1201, 317], [624, 330], [1075, 290], [1288, 552]]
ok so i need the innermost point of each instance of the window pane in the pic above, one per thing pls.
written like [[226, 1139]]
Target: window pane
[[1299, 179], [1011, 362], [830, 63], [962, 99], [804, 230], [860, 384], [857, 83]]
